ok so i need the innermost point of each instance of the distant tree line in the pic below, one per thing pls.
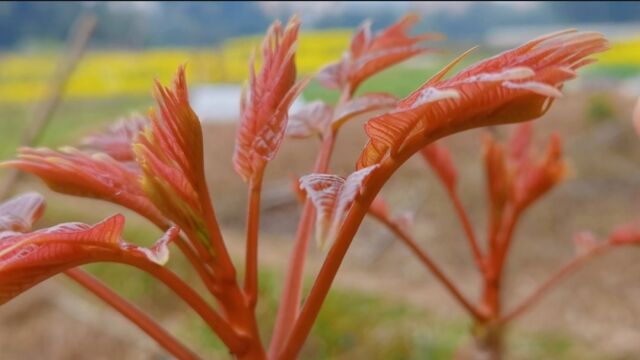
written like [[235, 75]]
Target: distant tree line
[[206, 24]]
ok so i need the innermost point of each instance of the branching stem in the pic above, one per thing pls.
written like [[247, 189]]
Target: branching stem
[[131, 312]]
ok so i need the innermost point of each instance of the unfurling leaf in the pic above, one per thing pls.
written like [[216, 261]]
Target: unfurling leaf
[[439, 159], [263, 119], [369, 54], [170, 154], [360, 105], [19, 214], [514, 175], [97, 176], [533, 180], [117, 141], [332, 197], [26, 259], [515, 86], [312, 119]]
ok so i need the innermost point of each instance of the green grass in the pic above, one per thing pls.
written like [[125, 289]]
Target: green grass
[[610, 71], [72, 120]]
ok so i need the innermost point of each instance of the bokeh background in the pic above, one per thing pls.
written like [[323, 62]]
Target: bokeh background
[[384, 305]]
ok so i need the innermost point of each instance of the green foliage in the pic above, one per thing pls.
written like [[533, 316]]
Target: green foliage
[[600, 108]]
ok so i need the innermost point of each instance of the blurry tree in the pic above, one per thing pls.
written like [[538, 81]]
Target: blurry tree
[[187, 23]]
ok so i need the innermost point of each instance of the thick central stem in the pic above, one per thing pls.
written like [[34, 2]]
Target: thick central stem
[[292, 292], [488, 342], [253, 227]]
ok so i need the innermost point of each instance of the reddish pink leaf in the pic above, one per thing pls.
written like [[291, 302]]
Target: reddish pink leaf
[[117, 141], [362, 105], [98, 176], [27, 259], [264, 114], [627, 234], [311, 119], [19, 213], [369, 54], [439, 159], [332, 197], [515, 86], [300, 195], [334, 76], [170, 154], [533, 180]]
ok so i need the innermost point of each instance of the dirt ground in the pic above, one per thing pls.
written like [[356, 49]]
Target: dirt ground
[[599, 305]]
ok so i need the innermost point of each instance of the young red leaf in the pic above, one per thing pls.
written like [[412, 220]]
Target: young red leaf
[[98, 176], [439, 159], [332, 196], [29, 258], [369, 54], [515, 86], [170, 154], [362, 105], [263, 118], [311, 119], [627, 234], [533, 180], [117, 141], [19, 213]]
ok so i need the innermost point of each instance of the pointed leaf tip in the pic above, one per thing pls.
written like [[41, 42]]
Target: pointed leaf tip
[[265, 110], [26, 259]]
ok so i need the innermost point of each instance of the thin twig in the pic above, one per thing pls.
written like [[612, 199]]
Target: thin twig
[[408, 240], [554, 279], [468, 229], [131, 312], [43, 113]]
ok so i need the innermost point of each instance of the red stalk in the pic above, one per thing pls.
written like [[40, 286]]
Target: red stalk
[[292, 291], [134, 314], [253, 227], [218, 324], [422, 255], [554, 279], [334, 258], [468, 229]]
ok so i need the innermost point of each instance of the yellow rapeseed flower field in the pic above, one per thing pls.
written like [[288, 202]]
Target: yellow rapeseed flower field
[[622, 53], [24, 77], [113, 73]]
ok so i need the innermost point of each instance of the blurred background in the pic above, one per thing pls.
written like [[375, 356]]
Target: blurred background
[[68, 69]]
